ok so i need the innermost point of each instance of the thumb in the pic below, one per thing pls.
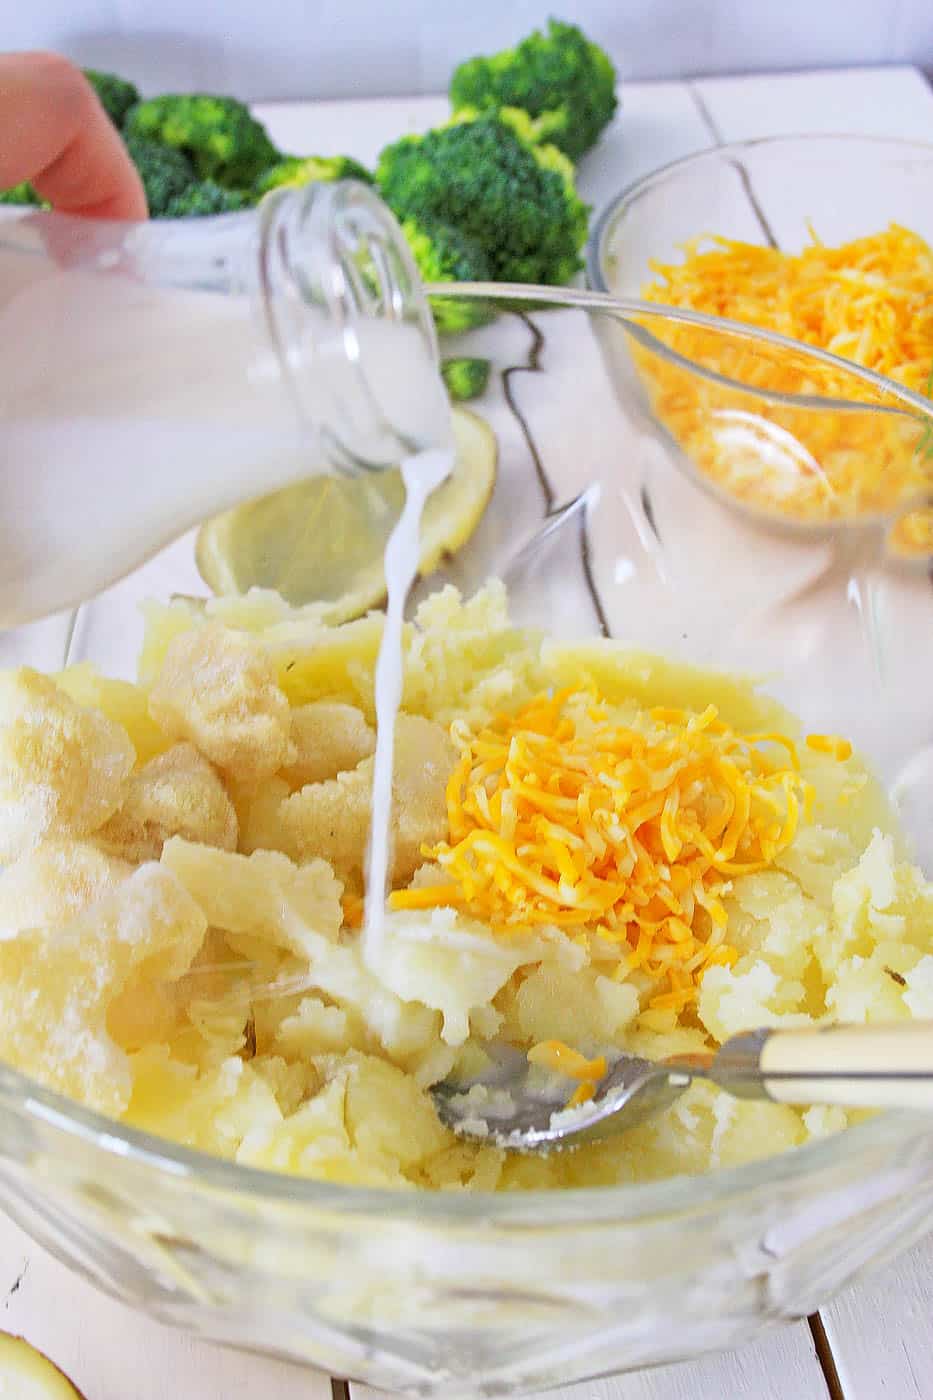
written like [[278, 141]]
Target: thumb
[[55, 134]]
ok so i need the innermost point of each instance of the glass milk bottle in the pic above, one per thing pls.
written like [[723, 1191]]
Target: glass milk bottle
[[154, 374]]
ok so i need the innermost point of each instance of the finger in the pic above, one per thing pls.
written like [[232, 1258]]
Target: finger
[[55, 134]]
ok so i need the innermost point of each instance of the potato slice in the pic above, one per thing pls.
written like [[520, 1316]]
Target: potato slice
[[28, 1375]]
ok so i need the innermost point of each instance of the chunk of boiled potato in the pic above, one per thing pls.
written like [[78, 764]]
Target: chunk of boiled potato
[[331, 819], [68, 978], [214, 1110], [121, 701], [62, 767], [178, 793], [54, 882], [218, 689], [264, 894], [329, 738], [582, 1008]]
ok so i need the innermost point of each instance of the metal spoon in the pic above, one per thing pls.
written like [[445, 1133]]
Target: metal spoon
[[514, 1105]]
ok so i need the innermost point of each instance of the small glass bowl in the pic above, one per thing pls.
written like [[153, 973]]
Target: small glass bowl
[[597, 529], [779, 192]]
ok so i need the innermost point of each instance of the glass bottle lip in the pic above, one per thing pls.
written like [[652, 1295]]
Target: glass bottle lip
[[335, 270]]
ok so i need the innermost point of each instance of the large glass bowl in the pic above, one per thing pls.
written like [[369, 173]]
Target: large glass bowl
[[598, 526]]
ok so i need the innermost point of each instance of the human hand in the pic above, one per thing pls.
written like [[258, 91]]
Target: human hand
[[55, 134]]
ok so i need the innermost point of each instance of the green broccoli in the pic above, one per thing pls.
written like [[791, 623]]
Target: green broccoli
[[205, 197], [116, 95], [165, 172], [516, 202], [445, 254], [560, 77], [304, 170], [217, 134], [466, 378], [21, 194]]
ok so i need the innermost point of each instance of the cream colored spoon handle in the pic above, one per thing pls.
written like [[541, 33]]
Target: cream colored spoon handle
[[855, 1066]]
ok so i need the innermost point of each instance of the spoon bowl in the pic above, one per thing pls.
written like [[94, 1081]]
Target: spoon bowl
[[515, 1105]]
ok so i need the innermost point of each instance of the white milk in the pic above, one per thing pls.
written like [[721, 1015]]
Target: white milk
[[421, 474], [129, 413]]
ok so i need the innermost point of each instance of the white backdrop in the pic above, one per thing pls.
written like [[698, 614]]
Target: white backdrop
[[341, 48]]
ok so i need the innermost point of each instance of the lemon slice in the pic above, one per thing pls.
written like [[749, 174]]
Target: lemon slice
[[324, 539], [28, 1375]]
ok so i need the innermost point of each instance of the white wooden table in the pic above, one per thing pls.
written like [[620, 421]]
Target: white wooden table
[[873, 1343]]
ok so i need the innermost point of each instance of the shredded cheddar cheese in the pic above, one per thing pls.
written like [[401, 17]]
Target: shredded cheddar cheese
[[625, 837], [832, 744], [869, 301], [582, 1094], [563, 1059]]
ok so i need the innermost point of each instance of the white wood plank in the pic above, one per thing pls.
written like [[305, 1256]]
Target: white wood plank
[[656, 123], [894, 101], [782, 1366], [112, 1353], [881, 1332]]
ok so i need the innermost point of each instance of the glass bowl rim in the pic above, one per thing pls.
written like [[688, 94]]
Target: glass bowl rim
[[628, 308], [631, 312], [597, 254], [628, 1203], [603, 224], [597, 250]]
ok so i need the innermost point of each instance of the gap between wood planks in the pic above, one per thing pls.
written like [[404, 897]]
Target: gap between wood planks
[[824, 1355]]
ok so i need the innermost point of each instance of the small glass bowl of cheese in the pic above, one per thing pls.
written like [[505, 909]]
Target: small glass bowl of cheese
[[825, 240], [314, 1211]]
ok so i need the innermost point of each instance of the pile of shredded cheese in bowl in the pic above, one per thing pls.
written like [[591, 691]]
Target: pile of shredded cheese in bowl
[[595, 849], [869, 301]]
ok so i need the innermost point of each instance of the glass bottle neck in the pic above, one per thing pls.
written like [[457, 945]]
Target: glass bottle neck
[[334, 292], [344, 307]]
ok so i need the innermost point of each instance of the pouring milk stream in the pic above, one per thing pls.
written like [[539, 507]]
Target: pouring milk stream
[[170, 372]]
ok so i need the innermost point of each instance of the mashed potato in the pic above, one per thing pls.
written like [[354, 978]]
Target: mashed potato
[[179, 935]]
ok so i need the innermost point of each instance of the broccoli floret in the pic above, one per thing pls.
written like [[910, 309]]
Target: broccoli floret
[[516, 202], [560, 77], [466, 378], [304, 170], [443, 253], [217, 134], [116, 94], [21, 194], [204, 198], [165, 172]]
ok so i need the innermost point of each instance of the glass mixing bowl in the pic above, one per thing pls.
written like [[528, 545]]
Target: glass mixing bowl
[[598, 524]]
